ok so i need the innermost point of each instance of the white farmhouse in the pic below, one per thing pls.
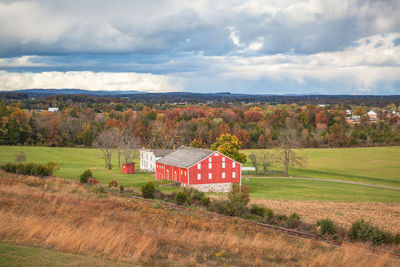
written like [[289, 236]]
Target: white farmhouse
[[148, 158], [52, 110]]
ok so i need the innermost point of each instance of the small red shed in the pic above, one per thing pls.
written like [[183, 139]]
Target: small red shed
[[128, 168], [203, 169]]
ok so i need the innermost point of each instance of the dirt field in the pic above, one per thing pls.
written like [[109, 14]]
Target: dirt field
[[386, 216]]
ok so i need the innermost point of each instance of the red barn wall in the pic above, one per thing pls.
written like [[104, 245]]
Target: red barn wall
[[172, 173], [216, 170]]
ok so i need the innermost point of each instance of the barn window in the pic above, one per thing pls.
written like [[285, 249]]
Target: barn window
[[223, 164], [233, 174], [185, 173], [223, 158], [209, 165], [199, 166], [233, 164], [223, 175], [209, 159], [199, 176], [216, 155], [210, 176]]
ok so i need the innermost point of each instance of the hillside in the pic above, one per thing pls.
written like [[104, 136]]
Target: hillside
[[64, 216]]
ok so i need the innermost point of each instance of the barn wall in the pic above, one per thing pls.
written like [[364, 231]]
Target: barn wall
[[216, 171], [171, 173]]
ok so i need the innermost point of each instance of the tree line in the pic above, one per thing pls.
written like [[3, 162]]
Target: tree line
[[162, 126]]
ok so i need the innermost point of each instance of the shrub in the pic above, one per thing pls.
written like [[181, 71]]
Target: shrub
[[364, 231], [257, 210], [269, 213], [326, 226], [180, 198], [85, 176], [239, 194], [51, 168], [121, 188], [294, 216], [148, 190], [98, 189], [113, 183], [92, 181], [396, 239], [294, 220], [10, 167], [35, 169], [205, 201], [28, 168], [20, 157]]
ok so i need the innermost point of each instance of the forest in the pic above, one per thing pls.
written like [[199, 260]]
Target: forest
[[81, 118]]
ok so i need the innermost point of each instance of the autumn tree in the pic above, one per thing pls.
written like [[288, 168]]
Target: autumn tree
[[286, 155], [229, 145], [196, 143], [106, 142], [254, 160], [266, 160], [128, 145]]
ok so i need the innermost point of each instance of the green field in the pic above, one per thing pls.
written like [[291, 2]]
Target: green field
[[372, 165], [15, 255], [379, 166]]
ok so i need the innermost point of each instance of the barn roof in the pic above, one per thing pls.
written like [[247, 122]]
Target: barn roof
[[161, 152], [185, 156]]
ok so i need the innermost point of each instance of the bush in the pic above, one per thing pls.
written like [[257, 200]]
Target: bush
[[85, 176], [269, 213], [113, 183], [239, 194], [121, 188], [180, 198], [148, 190], [327, 226], [396, 239], [257, 210], [93, 181], [98, 189], [294, 216], [294, 220], [35, 169], [205, 201], [364, 231]]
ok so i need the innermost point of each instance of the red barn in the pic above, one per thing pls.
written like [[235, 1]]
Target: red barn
[[128, 168], [205, 170]]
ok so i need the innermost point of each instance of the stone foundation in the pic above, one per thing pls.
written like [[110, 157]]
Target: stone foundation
[[214, 188]]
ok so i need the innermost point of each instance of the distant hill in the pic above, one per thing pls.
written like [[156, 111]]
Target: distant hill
[[67, 91]]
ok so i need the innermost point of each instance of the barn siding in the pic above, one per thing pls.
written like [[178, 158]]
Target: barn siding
[[175, 173]]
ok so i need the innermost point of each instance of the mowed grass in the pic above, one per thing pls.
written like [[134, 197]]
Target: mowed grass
[[16, 255], [322, 163], [372, 165], [303, 190], [74, 161]]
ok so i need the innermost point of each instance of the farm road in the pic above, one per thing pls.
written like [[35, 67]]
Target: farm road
[[327, 180]]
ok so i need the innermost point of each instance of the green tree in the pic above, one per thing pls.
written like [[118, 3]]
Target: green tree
[[229, 145]]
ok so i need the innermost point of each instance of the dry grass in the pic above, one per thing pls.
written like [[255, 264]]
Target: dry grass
[[64, 216], [385, 216]]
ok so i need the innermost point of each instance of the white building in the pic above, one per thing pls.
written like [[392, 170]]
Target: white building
[[52, 110], [148, 158]]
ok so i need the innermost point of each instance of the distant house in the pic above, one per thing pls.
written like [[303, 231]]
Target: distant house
[[372, 115], [206, 170], [148, 158], [52, 110]]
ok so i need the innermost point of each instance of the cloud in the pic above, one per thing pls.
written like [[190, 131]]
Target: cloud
[[151, 27], [89, 80]]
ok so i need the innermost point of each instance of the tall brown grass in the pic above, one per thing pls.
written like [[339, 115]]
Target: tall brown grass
[[65, 216]]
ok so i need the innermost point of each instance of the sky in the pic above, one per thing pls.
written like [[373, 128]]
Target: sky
[[257, 47]]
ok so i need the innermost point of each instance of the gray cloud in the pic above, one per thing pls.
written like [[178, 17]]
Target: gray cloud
[[57, 27]]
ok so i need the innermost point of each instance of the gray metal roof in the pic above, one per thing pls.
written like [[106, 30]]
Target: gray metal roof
[[185, 156]]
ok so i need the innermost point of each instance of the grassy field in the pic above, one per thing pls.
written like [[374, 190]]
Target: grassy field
[[16, 255], [341, 164], [373, 165], [66, 216]]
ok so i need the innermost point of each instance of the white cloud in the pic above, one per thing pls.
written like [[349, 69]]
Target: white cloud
[[89, 80], [23, 61]]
